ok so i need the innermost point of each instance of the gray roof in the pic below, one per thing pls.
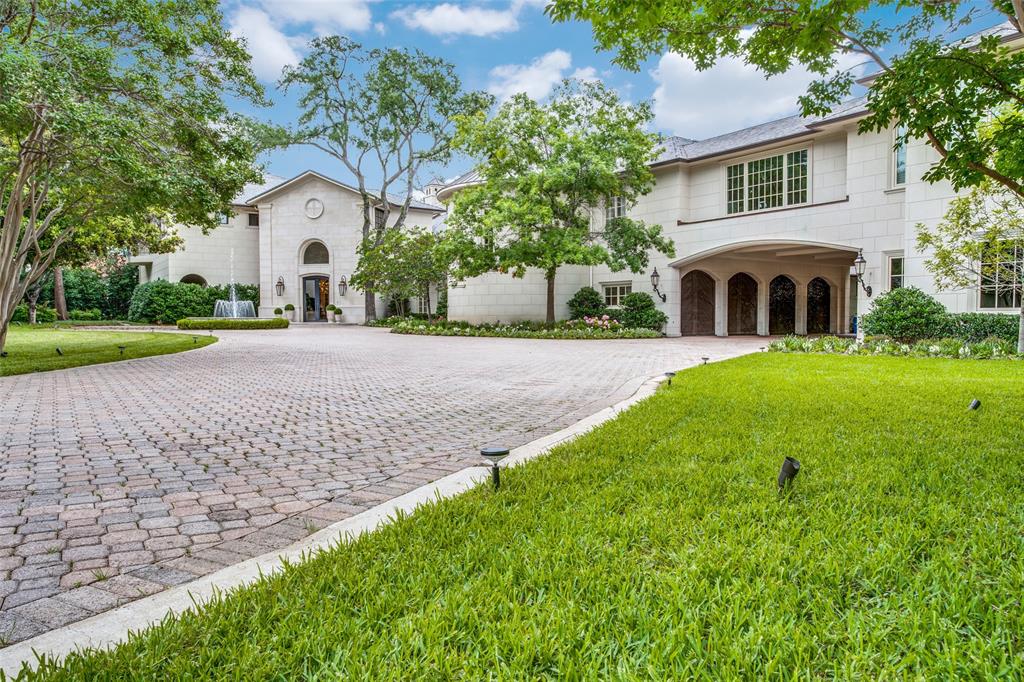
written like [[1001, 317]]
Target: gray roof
[[272, 182], [256, 188]]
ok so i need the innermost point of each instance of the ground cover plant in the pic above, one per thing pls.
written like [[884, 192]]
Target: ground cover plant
[[986, 349], [233, 323], [657, 547], [587, 328], [34, 349]]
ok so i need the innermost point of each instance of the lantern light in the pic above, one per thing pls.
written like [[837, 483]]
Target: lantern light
[[655, 281], [342, 285], [280, 286]]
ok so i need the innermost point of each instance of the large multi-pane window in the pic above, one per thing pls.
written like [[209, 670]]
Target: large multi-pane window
[[899, 158], [771, 182], [614, 208], [1003, 279], [614, 293]]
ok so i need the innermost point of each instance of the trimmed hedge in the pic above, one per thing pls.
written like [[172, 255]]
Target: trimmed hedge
[[908, 315], [974, 327], [586, 302], [168, 302], [204, 323], [640, 312], [987, 349]]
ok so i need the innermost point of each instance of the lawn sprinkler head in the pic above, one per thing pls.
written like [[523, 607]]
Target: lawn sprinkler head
[[670, 375], [121, 348], [495, 455], [790, 468], [705, 360], [975, 404], [60, 352]]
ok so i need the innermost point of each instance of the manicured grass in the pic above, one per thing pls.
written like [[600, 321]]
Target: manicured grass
[[33, 349], [657, 547]]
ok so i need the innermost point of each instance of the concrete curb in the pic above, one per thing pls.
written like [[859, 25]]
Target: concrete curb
[[107, 629]]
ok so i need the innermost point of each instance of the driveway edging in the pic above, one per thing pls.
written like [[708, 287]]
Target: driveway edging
[[112, 627]]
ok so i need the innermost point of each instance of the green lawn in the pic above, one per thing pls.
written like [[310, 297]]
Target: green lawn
[[657, 547], [33, 349]]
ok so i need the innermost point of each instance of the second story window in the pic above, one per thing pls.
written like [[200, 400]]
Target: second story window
[[899, 158], [224, 218], [770, 182], [614, 208], [378, 218], [254, 220]]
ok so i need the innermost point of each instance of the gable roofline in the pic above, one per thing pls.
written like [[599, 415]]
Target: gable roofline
[[414, 205]]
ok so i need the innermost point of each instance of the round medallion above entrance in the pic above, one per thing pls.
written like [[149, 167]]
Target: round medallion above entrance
[[314, 208]]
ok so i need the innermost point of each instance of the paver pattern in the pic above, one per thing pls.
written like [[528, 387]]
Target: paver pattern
[[120, 480]]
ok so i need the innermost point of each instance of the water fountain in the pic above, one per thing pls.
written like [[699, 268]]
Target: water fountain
[[233, 307]]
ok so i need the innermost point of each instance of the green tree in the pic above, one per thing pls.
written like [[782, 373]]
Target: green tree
[[405, 264], [113, 119], [981, 238], [934, 90], [384, 113], [547, 171]]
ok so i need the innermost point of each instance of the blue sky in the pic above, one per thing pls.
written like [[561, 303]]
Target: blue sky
[[507, 46]]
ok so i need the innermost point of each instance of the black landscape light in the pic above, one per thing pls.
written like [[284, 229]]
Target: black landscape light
[[495, 455], [975, 404], [705, 359], [670, 375], [60, 352], [3, 354], [790, 468], [195, 339], [121, 348]]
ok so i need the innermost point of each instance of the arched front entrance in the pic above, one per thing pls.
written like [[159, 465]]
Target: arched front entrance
[[315, 297], [697, 293], [742, 304], [819, 306], [782, 306]]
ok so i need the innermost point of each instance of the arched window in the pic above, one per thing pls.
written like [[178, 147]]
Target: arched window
[[193, 279], [316, 254]]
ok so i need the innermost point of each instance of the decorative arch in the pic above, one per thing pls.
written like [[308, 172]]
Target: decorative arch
[[782, 305], [742, 304], [316, 253], [193, 279], [697, 297], [819, 306]]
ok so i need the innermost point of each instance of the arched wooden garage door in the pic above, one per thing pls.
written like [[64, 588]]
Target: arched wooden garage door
[[819, 306], [782, 306], [742, 304], [698, 304]]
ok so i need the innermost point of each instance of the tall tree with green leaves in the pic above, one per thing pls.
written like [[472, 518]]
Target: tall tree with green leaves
[[547, 172], [386, 113], [980, 239], [405, 264], [935, 90], [113, 122]]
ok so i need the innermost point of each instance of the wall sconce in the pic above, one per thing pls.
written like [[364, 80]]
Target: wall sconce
[[859, 264], [342, 285], [655, 281], [280, 286]]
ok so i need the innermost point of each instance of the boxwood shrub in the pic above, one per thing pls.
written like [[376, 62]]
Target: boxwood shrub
[[908, 314], [197, 323], [586, 302], [639, 312]]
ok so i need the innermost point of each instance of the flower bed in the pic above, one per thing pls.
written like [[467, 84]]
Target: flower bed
[[232, 323], [990, 348], [587, 328]]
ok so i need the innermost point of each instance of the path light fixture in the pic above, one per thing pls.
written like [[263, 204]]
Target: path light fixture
[[790, 468], [670, 375], [495, 455], [342, 285], [975, 404], [860, 264], [280, 286], [60, 352], [655, 281], [705, 359], [121, 348], [195, 339]]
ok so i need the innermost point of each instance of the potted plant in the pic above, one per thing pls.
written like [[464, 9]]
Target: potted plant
[[330, 312], [289, 312], [278, 312], [337, 314]]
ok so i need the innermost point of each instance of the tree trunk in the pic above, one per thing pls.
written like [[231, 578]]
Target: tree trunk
[[32, 296], [369, 306], [1020, 332], [59, 302], [550, 316], [426, 297]]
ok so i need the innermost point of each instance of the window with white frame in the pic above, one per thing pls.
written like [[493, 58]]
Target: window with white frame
[[224, 218], [1002, 280], [766, 183], [418, 305], [615, 207], [895, 272], [614, 293], [899, 157]]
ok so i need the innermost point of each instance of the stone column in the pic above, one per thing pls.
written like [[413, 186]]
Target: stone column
[[801, 307], [721, 307], [762, 308]]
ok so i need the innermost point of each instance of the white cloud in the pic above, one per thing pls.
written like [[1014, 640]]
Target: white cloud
[[536, 79], [325, 16], [729, 96], [270, 48], [587, 74], [450, 19]]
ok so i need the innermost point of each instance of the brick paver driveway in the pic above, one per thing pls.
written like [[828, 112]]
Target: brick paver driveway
[[119, 480]]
